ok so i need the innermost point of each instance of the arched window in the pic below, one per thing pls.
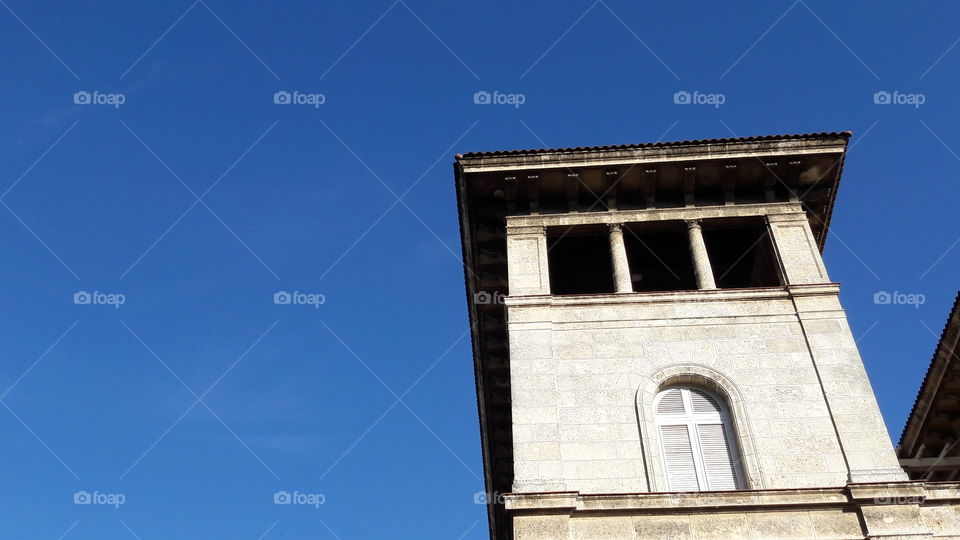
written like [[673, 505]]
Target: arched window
[[697, 441]]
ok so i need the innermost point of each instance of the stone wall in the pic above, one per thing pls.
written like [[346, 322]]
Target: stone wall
[[585, 370]]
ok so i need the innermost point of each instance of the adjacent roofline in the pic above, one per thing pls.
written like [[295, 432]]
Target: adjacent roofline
[[942, 357]]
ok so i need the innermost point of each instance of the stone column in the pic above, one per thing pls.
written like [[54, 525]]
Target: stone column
[[701, 261], [618, 253]]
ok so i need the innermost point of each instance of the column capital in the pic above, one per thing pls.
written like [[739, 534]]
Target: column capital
[[694, 223], [615, 227]]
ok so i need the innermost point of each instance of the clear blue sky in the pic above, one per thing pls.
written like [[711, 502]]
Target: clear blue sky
[[303, 198]]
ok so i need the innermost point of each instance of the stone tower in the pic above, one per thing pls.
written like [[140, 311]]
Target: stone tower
[[660, 351]]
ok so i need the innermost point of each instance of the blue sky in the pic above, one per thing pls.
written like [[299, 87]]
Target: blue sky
[[198, 198]]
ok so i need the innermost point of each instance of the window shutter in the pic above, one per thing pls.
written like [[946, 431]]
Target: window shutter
[[717, 459], [671, 402], [703, 403], [696, 434], [678, 456]]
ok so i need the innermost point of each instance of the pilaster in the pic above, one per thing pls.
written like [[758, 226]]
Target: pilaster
[[797, 249], [527, 266]]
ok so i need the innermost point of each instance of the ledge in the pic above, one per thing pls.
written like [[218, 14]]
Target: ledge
[[568, 502], [942, 491], [655, 502], [659, 297], [776, 211], [880, 492]]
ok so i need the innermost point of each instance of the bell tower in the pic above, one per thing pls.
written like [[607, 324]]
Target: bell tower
[[659, 349]]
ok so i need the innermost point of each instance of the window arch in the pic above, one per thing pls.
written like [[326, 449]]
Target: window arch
[[698, 445]]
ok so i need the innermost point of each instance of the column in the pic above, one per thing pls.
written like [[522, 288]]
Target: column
[[618, 253], [701, 261]]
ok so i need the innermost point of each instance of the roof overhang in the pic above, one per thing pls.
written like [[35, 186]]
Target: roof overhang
[[803, 167]]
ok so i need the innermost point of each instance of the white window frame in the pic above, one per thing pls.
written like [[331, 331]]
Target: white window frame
[[691, 420]]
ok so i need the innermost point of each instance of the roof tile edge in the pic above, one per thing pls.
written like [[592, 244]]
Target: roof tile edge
[[696, 142]]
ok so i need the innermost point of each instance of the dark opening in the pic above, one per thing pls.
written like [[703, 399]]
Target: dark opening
[[741, 254], [740, 250], [579, 260], [659, 256]]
